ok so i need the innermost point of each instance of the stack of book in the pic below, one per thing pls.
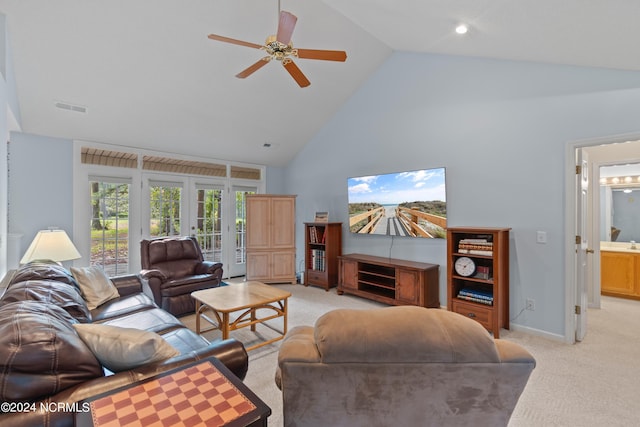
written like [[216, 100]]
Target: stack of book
[[318, 259], [476, 295], [316, 235], [475, 246]]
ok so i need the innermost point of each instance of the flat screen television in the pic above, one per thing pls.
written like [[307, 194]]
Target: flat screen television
[[412, 204]]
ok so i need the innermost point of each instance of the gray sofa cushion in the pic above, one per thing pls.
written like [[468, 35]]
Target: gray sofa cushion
[[403, 334]]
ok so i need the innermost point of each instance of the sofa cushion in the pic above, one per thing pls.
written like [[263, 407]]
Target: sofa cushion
[[164, 250], [43, 270], [95, 285], [51, 292], [402, 334], [154, 320], [40, 352], [120, 349], [122, 306]]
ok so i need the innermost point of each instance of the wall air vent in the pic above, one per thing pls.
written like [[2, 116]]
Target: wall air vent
[[70, 107]]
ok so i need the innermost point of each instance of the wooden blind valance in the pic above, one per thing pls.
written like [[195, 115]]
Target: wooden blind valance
[[94, 156]]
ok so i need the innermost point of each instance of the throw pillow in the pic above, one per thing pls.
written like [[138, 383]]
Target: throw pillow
[[95, 285], [121, 349]]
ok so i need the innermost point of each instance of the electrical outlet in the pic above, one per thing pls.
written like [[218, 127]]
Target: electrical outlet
[[531, 304]]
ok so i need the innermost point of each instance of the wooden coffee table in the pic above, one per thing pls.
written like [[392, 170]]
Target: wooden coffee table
[[246, 298]]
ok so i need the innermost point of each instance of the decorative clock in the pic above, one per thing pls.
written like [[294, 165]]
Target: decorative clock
[[465, 266]]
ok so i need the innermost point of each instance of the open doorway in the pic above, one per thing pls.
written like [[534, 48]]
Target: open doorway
[[601, 152]]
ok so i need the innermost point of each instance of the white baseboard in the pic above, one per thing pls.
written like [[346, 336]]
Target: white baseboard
[[537, 332]]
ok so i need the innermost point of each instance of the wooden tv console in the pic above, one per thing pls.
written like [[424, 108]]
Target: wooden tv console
[[389, 281]]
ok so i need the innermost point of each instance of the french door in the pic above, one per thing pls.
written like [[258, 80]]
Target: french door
[[238, 263], [211, 210]]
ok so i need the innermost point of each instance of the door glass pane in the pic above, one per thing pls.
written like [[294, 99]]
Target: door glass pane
[[165, 210], [241, 225], [208, 228], [110, 227]]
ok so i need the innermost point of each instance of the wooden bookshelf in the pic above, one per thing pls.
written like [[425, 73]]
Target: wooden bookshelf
[[323, 246], [481, 292]]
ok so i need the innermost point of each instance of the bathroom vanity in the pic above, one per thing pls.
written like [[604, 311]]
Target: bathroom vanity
[[620, 269]]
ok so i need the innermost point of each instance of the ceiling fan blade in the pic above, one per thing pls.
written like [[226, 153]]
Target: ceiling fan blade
[[326, 55], [253, 68], [295, 72], [233, 41], [285, 27]]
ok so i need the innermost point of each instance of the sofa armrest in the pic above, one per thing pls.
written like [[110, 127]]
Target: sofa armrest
[[299, 345], [149, 274], [39, 416], [511, 352], [230, 352], [209, 267], [128, 284]]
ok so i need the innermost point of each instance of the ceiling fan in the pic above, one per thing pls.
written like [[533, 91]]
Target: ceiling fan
[[280, 48]]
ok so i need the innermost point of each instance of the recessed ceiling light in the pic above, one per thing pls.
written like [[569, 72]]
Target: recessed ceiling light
[[462, 29]]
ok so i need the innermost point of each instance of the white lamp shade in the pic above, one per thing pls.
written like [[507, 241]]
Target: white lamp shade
[[51, 244]]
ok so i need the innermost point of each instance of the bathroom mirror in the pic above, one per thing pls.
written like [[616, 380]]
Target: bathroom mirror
[[620, 203]]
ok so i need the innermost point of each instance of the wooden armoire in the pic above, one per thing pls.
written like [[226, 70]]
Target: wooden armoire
[[271, 234]]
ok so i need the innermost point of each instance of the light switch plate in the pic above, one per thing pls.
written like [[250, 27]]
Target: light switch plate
[[541, 237]]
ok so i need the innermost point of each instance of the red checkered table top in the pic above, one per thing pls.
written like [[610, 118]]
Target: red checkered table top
[[196, 396]]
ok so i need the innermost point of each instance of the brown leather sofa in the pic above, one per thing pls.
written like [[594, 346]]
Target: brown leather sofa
[[175, 267], [43, 360]]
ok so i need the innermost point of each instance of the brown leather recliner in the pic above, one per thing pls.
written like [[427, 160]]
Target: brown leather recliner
[[174, 267]]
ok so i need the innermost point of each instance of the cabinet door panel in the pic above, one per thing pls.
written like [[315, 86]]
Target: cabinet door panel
[[407, 286], [258, 265], [283, 220], [349, 274], [283, 265], [258, 230], [617, 272]]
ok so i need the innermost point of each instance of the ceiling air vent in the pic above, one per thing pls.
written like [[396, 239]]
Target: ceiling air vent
[[70, 107]]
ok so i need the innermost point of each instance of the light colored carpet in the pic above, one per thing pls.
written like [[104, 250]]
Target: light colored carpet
[[592, 383]]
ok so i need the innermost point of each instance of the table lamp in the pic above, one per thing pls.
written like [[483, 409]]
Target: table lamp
[[53, 244]]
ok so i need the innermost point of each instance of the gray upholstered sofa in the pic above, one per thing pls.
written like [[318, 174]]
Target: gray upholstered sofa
[[399, 366]]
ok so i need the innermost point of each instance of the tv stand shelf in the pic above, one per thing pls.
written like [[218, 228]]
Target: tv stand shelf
[[389, 281]]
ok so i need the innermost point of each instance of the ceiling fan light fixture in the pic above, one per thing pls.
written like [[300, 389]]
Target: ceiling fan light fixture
[[280, 48]]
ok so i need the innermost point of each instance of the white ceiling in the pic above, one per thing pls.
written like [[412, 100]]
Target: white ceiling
[[150, 77]]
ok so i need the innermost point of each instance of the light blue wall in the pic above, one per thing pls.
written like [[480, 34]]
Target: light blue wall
[[275, 180], [500, 128], [40, 185]]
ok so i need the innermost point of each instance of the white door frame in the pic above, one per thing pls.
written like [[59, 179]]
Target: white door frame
[[236, 269], [570, 223]]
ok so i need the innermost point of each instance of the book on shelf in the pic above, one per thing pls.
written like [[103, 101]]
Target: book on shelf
[[474, 299], [483, 272], [316, 234], [318, 260], [478, 246], [476, 295]]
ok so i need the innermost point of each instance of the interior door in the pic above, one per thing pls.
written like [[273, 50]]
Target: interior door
[[582, 242]]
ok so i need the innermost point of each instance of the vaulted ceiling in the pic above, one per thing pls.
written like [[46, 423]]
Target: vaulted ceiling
[[149, 77]]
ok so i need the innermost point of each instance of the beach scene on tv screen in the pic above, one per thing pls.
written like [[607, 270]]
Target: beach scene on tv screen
[[409, 204]]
